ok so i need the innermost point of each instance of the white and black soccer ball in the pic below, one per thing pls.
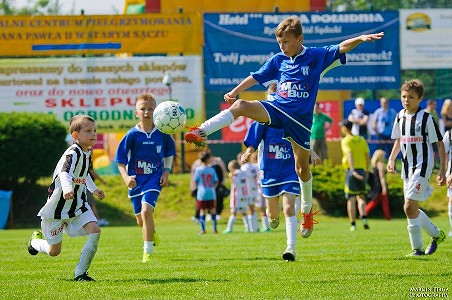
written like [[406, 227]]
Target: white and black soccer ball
[[169, 117]]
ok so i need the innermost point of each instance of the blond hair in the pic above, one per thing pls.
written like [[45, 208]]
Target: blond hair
[[445, 107], [379, 155], [76, 123], [414, 85], [146, 97], [233, 165], [290, 25]]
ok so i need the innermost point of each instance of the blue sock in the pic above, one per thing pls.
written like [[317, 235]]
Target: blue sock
[[214, 221], [202, 221]]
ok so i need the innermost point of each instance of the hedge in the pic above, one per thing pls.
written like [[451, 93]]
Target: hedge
[[30, 146]]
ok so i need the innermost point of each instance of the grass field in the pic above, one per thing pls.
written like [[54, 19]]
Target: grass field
[[333, 263]]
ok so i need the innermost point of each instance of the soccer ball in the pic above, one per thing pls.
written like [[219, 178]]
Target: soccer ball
[[169, 117]]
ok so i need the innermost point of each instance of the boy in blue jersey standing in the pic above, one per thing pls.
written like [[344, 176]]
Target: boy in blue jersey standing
[[297, 69], [144, 157], [205, 179]]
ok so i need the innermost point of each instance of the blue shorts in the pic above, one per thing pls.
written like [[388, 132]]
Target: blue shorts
[[279, 189], [293, 129], [149, 198]]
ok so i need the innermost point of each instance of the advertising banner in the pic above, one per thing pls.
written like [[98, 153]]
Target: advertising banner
[[236, 131], [237, 44], [426, 38], [68, 35], [104, 88], [331, 108]]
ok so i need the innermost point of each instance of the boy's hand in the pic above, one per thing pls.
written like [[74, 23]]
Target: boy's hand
[[357, 176], [372, 37], [68, 195], [441, 178], [390, 167], [315, 158], [245, 157], [449, 181], [164, 178], [229, 98], [99, 194], [131, 182]]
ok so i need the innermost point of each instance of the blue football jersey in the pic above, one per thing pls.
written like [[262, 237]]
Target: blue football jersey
[[143, 153], [205, 178], [276, 159], [298, 79]]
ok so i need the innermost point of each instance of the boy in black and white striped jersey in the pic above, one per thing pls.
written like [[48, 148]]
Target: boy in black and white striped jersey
[[67, 209], [415, 131]]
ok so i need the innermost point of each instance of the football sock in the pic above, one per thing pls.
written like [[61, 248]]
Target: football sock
[[427, 225], [220, 120], [291, 231], [364, 219], [246, 223], [255, 222], [450, 214], [148, 247], [414, 231], [231, 222], [202, 222], [214, 221], [306, 193], [87, 255], [353, 223], [40, 245], [265, 223]]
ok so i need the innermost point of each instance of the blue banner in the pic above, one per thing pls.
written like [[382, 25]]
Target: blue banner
[[237, 44]]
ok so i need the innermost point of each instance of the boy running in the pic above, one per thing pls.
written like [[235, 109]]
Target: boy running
[[297, 69], [67, 209]]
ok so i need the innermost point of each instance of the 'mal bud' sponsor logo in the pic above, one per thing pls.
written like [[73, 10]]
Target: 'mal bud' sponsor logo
[[293, 90], [228, 19]]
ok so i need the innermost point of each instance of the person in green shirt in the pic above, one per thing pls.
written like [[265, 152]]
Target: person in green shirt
[[318, 129], [355, 161]]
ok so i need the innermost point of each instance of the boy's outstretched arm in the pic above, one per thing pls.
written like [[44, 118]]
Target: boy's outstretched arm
[[350, 44], [244, 85]]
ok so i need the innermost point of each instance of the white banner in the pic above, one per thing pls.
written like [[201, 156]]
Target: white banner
[[104, 88], [426, 38]]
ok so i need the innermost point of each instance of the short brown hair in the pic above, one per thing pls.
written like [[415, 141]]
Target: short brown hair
[[146, 97], [76, 123], [414, 85], [205, 156], [291, 25], [233, 164]]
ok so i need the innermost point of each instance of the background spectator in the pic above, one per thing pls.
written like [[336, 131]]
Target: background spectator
[[379, 191], [318, 142], [359, 117], [431, 109], [383, 122]]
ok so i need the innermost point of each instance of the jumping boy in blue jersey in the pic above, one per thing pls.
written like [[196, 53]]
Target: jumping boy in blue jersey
[[144, 157], [297, 69]]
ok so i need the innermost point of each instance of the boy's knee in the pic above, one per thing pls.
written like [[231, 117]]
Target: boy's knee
[[54, 251]]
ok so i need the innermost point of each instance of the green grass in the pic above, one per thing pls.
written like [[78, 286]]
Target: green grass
[[333, 263]]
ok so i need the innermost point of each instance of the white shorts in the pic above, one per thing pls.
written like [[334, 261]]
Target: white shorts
[[261, 201], [252, 201], [53, 228], [417, 188], [241, 210]]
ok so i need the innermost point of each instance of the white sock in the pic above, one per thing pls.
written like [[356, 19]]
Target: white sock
[[450, 214], [87, 255], [265, 222], [414, 231], [250, 222], [255, 222], [246, 223], [220, 120], [40, 245], [148, 247], [427, 225], [306, 194], [291, 231], [231, 222]]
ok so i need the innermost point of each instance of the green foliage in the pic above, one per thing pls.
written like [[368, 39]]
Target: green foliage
[[333, 263], [328, 189], [34, 7], [30, 146]]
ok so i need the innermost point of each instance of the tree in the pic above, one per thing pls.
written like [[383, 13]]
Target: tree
[[36, 7]]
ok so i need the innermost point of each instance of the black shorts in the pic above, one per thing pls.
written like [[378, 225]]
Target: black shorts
[[353, 186]]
